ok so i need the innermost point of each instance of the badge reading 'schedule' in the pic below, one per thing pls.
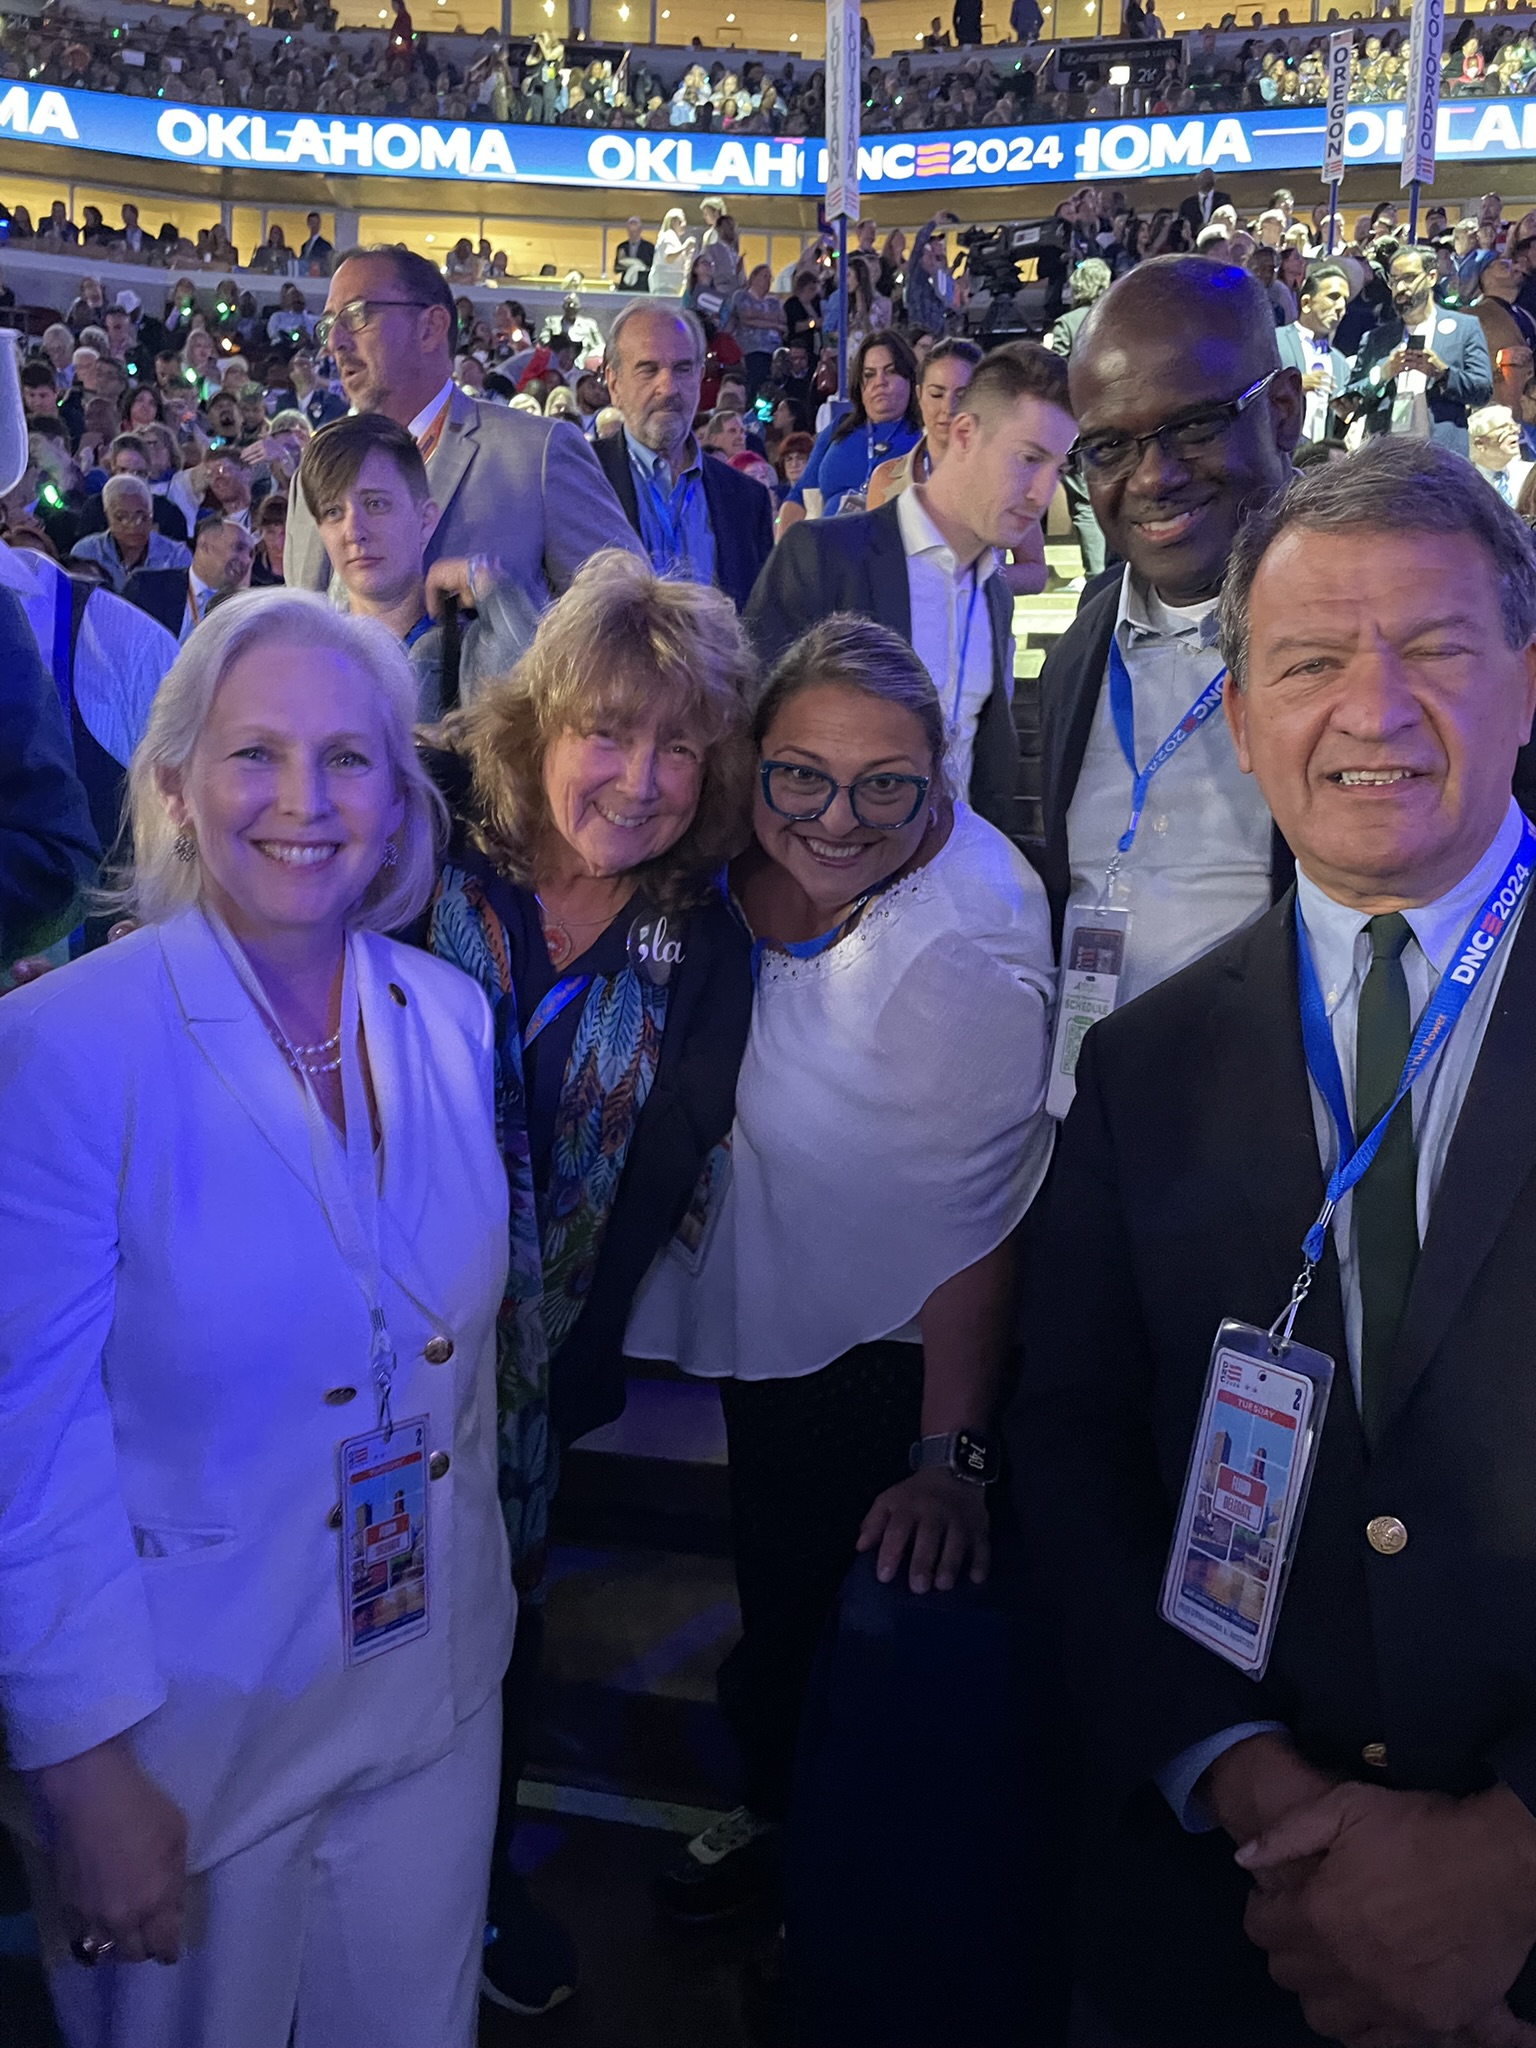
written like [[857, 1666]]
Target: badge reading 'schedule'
[[653, 950]]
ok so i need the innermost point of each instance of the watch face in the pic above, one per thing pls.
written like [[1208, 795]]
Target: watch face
[[975, 1458]]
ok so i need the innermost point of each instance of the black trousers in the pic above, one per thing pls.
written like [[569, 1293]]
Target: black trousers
[[518, 1689], [807, 1459]]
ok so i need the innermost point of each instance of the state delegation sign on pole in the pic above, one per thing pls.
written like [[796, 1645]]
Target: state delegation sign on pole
[[844, 89], [1422, 112], [1341, 64], [843, 92]]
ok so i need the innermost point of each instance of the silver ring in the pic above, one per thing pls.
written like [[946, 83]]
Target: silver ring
[[90, 1951]]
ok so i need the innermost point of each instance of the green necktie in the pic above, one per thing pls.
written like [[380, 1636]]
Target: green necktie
[[1386, 1203]]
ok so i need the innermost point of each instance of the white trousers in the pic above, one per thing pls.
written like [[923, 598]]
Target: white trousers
[[358, 1926]]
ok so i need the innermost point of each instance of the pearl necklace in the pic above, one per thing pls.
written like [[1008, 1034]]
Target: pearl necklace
[[314, 1060]]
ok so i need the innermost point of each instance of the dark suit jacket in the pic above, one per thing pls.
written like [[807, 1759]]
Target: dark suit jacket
[[1185, 1177], [1468, 381], [1070, 683], [740, 513], [48, 849], [162, 593], [1189, 209], [858, 564], [166, 517]]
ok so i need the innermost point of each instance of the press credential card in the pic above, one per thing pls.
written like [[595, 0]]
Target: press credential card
[[1239, 1514], [384, 1539]]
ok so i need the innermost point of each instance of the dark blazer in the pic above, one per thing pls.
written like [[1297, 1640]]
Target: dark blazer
[[1184, 1179], [740, 514], [687, 1113], [1295, 355], [166, 518], [858, 564], [1070, 683], [1468, 381], [1189, 209], [48, 849], [162, 593]]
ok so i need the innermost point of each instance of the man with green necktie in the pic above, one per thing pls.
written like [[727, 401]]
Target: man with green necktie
[[1340, 1845]]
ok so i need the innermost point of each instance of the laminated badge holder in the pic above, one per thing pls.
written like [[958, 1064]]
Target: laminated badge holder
[[1093, 943], [1266, 1396]]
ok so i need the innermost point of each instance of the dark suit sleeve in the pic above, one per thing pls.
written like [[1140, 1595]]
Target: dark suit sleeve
[[790, 594], [1470, 381], [48, 850], [1082, 1433]]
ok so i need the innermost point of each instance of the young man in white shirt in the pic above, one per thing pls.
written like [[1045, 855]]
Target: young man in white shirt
[[925, 564]]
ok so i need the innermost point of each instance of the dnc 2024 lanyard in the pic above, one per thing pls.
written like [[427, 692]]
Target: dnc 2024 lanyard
[[1123, 712], [1473, 956]]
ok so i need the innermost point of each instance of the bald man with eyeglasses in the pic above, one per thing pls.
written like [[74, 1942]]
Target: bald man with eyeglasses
[[525, 492], [1156, 846]]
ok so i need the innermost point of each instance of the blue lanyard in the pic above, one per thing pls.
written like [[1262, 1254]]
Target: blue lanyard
[[1479, 942], [671, 512], [560, 997], [965, 644], [422, 625], [1123, 713]]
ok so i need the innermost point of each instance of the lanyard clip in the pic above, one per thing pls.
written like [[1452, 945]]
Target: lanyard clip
[[1280, 1329], [382, 1365]]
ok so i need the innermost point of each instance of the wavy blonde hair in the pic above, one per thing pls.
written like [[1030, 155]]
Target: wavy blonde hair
[[621, 647], [156, 885]]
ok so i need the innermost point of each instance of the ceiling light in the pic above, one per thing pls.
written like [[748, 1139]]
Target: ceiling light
[[623, 11], [431, 238]]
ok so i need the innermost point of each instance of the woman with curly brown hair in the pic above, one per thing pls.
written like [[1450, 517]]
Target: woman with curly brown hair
[[598, 792]]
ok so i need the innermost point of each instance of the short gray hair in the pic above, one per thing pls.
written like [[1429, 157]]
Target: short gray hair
[[118, 487], [158, 884], [1393, 485], [639, 307]]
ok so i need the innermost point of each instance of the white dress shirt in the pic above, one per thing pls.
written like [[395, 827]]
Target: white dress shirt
[[1200, 865], [951, 629], [1317, 354], [120, 656], [429, 412], [1410, 407], [1341, 955]]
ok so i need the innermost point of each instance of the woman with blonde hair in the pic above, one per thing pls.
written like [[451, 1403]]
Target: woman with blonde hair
[[598, 793], [673, 260], [252, 1251]]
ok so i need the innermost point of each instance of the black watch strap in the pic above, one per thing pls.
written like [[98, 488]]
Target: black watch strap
[[965, 1452]]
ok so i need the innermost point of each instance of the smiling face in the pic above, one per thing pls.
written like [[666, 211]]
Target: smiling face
[[1174, 516], [289, 791], [1382, 718], [621, 797], [845, 733]]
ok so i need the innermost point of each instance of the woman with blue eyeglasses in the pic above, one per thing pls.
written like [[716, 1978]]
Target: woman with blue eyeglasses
[[847, 1276]]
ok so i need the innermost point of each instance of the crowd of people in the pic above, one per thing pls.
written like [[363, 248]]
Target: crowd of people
[[211, 58], [576, 911]]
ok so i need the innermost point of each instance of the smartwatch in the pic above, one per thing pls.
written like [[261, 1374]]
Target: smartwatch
[[964, 1452]]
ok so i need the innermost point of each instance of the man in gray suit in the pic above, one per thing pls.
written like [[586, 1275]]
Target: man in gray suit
[[1307, 345], [524, 490]]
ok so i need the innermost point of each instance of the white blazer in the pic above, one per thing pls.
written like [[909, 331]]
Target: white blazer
[[177, 1327]]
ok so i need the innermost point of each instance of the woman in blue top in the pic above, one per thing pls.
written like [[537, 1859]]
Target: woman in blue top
[[882, 421]]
